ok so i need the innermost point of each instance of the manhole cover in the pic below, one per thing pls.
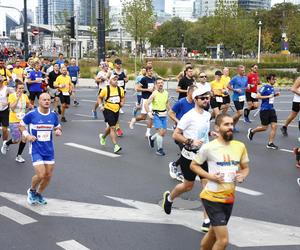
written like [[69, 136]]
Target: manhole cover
[[180, 203]]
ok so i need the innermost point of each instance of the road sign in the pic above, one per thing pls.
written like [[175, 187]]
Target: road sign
[[35, 32]]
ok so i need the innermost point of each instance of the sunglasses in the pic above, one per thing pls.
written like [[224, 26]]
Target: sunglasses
[[203, 76], [202, 98]]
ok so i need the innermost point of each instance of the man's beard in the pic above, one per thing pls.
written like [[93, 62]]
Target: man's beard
[[227, 136]]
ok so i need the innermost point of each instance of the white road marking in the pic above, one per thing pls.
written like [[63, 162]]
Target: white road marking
[[244, 232], [292, 126], [16, 216], [248, 191], [145, 125], [71, 245], [84, 115], [286, 150], [94, 150], [96, 120], [86, 100]]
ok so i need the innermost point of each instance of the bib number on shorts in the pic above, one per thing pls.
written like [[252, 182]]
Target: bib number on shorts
[[121, 83], [253, 95], [229, 174], [114, 99], [162, 114], [187, 154], [74, 78], [65, 93], [43, 135], [242, 98], [219, 99], [271, 100]]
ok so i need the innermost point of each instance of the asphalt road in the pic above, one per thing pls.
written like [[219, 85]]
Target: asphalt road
[[110, 203]]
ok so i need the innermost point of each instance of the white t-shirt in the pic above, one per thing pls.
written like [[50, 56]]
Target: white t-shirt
[[3, 98], [296, 97], [102, 74], [195, 125], [205, 85]]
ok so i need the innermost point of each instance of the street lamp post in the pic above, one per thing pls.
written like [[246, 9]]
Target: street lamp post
[[101, 31], [259, 41]]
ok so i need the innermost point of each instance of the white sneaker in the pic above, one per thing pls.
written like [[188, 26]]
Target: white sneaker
[[179, 177], [121, 111], [4, 148], [298, 181], [172, 170], [147, 134], [20, 159], [131, 124]]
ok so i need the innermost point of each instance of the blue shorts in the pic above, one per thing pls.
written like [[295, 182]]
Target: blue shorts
[[38, 159], [160, 122], [139, 99]]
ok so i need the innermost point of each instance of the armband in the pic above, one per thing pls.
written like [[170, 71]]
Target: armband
[[25, 133]]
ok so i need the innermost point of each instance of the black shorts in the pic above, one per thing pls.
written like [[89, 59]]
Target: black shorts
[[33, 94], [111, 117], [74, 82], [296, 107], [226, 99], [188, 174], [218, 213], [249, 98], [238, 105], [99, 92], [4, 118], [64, 99], [267, 117], [214, 104]]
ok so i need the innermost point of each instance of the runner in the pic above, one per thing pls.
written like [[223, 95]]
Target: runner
[[138, 93], [203, 83], [74, 73], [238, 84], [114, 99], [64, 84], [160, 106], [226, 97], [295, 107], [180, 108], [267, 112], [101, 79], [18, 102], [251, 92], [41, 122], [227, 164], [60, 61], [146, 86], [19, 71], [34, 83], [54, 93], [4, 72], [184, 82], [4, 113], [192, 131]]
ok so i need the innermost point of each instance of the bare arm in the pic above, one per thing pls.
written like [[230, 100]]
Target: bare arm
[[172, 115], [295, 86]]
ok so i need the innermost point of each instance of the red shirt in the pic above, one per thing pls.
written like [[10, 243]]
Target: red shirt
[[253, 80]]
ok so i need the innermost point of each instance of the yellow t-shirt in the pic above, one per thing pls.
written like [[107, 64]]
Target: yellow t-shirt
[[225, 79], [225, 159], [114, 99], [217, 87], [19, 73], [8, 74], [17, 114], [66, 80]]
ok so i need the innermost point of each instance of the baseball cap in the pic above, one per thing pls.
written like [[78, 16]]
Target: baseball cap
[[9, 67], [218, 73], [118, 61], [199, 91], [113, 76]]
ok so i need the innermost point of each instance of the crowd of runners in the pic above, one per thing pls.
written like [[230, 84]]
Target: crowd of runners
[[35, 99]]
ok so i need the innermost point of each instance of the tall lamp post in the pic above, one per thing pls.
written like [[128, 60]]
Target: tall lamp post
[[101, 30], [25, 30], [259, 41]]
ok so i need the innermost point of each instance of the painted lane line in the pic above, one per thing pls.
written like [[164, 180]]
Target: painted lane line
[[16, 216], [83, 115], [87, 120], [71, 245], [286, 150], [86, 100], [248, 191], [145, 125], [93, 150]]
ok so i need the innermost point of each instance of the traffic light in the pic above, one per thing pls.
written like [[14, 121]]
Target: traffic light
[[71, 27]]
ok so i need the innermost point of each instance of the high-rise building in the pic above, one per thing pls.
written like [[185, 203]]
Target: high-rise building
[[87, 12], [159, 5], [255, 4], [10, 24], [54, 11], [180, 8]]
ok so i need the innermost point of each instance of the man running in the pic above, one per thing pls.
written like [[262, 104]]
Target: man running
[[227, 164], [295, 107], [184, 82], [226, 97], [18, 103], [74, 73], [113, 97], [251, 92], [4, 113], [160, 106], [41, 122], [238, 84], [138, 94], [34, 83], [192, 131], [267, 112], [53, 90]]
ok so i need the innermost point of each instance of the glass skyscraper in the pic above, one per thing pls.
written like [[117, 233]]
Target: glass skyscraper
[[254, 4]]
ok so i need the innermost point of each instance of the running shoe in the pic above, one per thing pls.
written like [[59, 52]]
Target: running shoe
[[131, 124], [179, 177], [298, 181], [283, 130], [20, 159], [250, 134], [160, 152], [272, 146], [205, 227], [40, 199], [102, 140], [172, 169], [31, 197], [167, 205], [4, 148], [63, 119], [121, 111], [247, 120], [76, 103], [117, 148], [119, 132], [94, 114], [150, 141]]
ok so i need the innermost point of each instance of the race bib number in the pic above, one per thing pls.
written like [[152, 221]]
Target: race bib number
[[65, 93], [150, 85], [242, 98], [74, 78], [162, 114], [43, 135], [229, 174], [114, 99], [271, 100], [253, 95], [187, 154], [219, 99], [121, 83], [20, 115]]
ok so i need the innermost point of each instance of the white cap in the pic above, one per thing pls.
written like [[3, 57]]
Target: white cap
[[113, 76], [200, 91], [9, 67]]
